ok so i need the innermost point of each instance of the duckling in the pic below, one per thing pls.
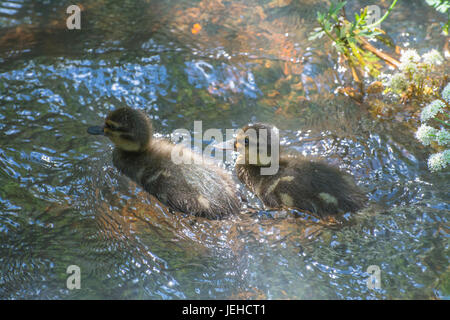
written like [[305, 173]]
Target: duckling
[[198, 187], [298, 183]]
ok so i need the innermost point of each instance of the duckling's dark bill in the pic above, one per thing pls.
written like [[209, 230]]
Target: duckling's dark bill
[[96, 130]]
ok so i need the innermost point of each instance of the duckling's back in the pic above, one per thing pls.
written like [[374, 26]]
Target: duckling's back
[[304, 184], [328, 189], [203, 190]]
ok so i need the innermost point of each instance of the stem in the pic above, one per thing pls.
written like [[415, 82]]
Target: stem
[[327, 33], [384, 17], [380, 54], [443, 122]]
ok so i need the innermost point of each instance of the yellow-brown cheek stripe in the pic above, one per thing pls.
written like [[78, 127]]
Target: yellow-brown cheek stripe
[[112, 123], [111, 132]]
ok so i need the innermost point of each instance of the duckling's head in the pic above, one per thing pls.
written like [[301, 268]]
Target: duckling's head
[[129, 129], [257, 144]]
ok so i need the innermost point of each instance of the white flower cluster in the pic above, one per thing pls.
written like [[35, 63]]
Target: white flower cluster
[[443, 137], [414, 69], [410, 60], [446, 93], [431, 110], [398, 82], [410, 55], [432, 58], [426, 134], [439, 161]]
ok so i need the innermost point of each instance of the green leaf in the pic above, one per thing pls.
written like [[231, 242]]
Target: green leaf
[[320, 16], [316, 35], [445, 28], [340, 5], [440, 5]]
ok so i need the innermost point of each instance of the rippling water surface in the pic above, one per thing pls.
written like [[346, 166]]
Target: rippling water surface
[[62, 202]]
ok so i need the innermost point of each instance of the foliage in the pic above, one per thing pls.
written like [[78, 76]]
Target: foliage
[[414, 78], [436, 114], [348, 37], [441, 6]]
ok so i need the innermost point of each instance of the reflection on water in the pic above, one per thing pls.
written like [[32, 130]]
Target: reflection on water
[[62, 202]]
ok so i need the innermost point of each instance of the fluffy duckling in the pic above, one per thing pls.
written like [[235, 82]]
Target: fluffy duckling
[[299, 183], [203, 189]]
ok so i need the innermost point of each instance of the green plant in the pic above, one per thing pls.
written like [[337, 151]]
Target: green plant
[[351, 38], [413, 79], [433, 131], [441, 6]]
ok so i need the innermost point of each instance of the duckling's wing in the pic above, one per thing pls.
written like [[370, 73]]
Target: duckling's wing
[[330, 186], [196, 189], [215, 188]]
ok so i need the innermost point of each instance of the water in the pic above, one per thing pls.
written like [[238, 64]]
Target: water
[[62, 203]]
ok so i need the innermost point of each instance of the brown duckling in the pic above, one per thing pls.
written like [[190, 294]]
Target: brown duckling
[[199, 187], [298, 183]]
